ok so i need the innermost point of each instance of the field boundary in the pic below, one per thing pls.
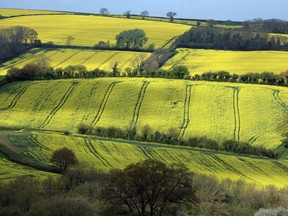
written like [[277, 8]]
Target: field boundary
[[138, 105], [103, 104], [60, 105], [186, 115]]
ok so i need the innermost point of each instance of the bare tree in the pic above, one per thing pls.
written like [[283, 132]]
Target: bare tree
[[147, 188], [128, 14], [69, 39], [104, 11], [171, 15], [144, 14], [211, 23]]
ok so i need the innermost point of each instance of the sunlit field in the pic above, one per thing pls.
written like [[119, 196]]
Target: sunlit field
[[89, 30], [220, 111], [237, 62], [91, 59]]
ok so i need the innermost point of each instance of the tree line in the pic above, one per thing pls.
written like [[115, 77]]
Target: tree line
[[171, 137], [269, 26], [230, 39], [40, 69], [16, 40], [148, 187]]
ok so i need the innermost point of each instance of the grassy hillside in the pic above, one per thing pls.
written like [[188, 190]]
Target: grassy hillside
[[220, 111], [63, 57], [106, 154], [16, 12], [238, 62], [89, 30]]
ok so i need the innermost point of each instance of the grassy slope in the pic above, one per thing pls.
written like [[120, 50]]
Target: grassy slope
[[89, 30], [217, 110], [16, 12], [238, 62], [106, 154], [63, 57]]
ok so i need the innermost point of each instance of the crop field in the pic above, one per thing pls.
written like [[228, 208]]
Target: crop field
[[105, 154], [220, 111], [16, 12], [239, 62], [64, 57], [89, 30]]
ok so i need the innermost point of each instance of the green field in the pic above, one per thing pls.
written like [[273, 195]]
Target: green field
[[239, 62], [106, 154], [64, 57], [219, 111], [17, 12], [89, 30]]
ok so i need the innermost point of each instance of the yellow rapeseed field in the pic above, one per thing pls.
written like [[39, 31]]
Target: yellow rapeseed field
[[220, 111], [200, 61], [105, 154], [89, 30], [17, 12], [92, 59]]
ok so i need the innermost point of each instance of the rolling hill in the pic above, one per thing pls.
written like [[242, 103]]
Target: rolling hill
[[200, 61], [105, 154], [219, 111], [64, 57], [89, 30], [7, 12]]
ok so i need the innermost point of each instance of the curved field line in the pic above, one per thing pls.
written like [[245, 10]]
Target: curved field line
[[108, 59], [169, 42], [138, 105], [34, 140], [181, 59], [87, 59], [95, 153], [228, 166], [237, 121], [279, 100], [103, 104], [280, 165], [25, 58], [60, 104], [92, 92], [71, 56], [15, 99], [186, 116]]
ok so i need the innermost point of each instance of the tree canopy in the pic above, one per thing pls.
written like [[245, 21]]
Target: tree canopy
[[131, 39]]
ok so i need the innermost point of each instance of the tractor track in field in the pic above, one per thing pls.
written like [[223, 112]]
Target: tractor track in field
[[87, 59], [103, 104], [60, 104], [95, 153], [108, 59], [138, 105], [250, 164], [169, 42], [279, 100], [34, 140], [71, 56], [228, 166], [253, 139], [15, 99], [280, 165], [181, 59], [237, 121], [186, 116]]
